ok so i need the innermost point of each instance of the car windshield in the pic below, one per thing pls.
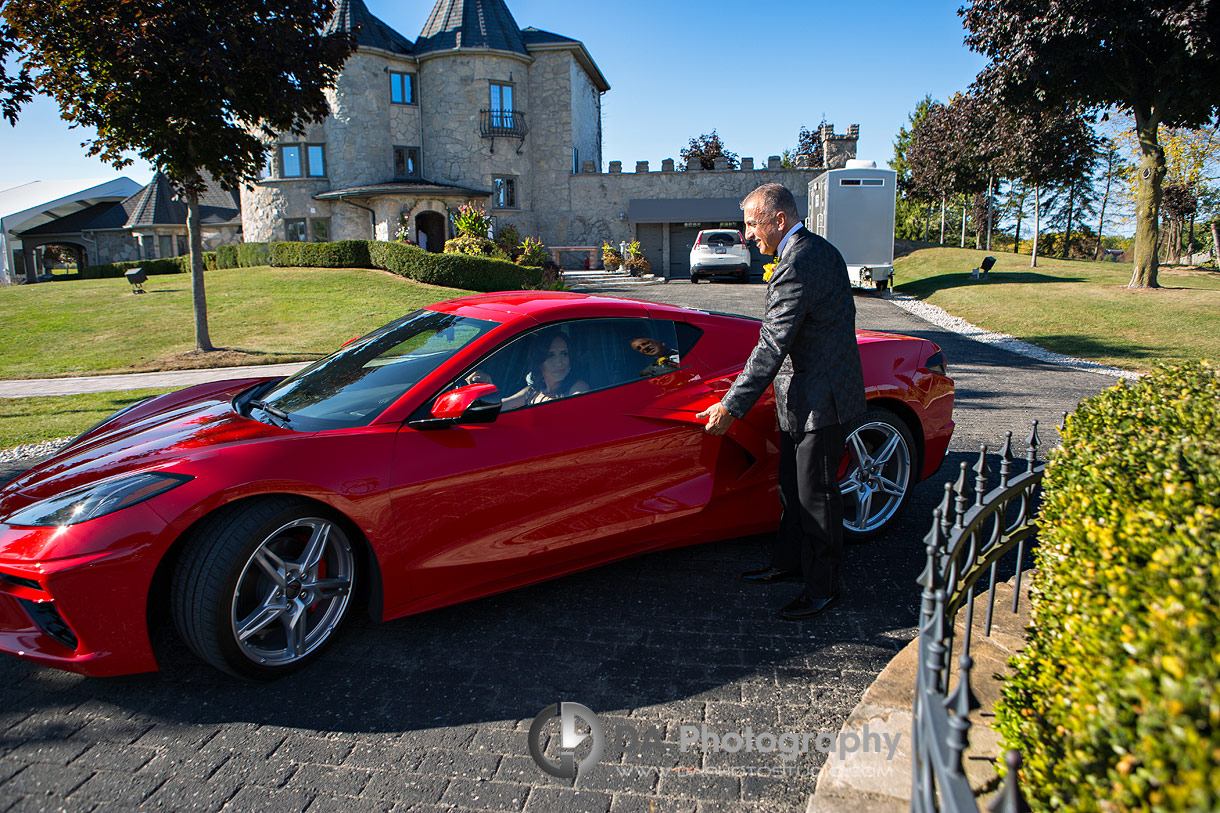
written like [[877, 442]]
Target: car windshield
[[353, 386]]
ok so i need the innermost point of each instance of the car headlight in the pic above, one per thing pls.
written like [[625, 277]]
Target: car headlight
[[96, 500]]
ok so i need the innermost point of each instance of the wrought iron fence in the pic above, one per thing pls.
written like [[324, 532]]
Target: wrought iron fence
[[973, 528]]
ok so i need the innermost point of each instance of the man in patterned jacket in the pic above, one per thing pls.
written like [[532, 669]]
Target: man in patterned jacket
[[807, 346]]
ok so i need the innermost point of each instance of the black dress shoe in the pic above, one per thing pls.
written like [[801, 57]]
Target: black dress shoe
[[769, 574], [804, 606]]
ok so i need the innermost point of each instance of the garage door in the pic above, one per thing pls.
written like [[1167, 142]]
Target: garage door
[[652, 243], [681, 238]]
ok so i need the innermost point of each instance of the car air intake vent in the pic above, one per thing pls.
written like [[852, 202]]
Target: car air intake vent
[[50, 621], [20, 581]]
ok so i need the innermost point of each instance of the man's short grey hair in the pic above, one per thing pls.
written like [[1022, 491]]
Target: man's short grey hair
[[773, 198]]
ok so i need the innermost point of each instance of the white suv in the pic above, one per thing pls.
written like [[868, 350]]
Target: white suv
[[720, 252]]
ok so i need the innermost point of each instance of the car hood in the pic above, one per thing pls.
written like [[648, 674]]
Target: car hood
[[163, 440]]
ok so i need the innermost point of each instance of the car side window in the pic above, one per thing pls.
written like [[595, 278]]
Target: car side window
[[571, 358]]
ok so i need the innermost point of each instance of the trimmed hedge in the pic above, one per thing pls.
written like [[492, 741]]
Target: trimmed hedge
[[340, 254], [1115, 701], [226, 257], [170, 265], [412, 262]]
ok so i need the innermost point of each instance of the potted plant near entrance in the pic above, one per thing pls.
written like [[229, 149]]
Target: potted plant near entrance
[[636, 262], [612, 258]]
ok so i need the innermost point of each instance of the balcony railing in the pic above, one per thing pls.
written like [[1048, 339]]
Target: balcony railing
[[502, 123]]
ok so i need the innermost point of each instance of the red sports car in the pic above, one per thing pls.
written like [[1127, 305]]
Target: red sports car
[[475, 446]]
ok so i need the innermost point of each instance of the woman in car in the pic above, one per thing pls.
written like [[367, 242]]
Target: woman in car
[[550, 376]]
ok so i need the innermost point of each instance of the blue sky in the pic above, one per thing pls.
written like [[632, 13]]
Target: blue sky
[[755, 72]]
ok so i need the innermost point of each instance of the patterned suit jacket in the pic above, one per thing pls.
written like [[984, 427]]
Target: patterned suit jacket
[[807, 343]]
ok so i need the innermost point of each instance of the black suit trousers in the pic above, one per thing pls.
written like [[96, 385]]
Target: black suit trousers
[[810, 537]]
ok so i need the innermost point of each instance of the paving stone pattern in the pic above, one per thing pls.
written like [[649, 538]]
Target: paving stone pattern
[[432, 712]]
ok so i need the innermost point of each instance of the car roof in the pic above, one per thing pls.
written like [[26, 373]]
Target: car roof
[[549, 306]]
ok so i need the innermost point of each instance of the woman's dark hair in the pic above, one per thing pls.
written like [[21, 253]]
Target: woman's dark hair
[[540, 346]]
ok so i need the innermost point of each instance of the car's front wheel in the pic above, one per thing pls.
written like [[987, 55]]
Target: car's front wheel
[[876, 474], [263, 586]]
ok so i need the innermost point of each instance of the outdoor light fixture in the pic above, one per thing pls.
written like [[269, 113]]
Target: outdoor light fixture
[[137, 278]]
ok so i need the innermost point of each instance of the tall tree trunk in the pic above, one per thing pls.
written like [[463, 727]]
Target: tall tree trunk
[[990, 206], [1147, 201], [1016, 234], [942, 219], [1033, 256], [203, 341], [1105, 198], [1067, 234], [927, 220], [1216, 240], [965, 207], [1190, 241]]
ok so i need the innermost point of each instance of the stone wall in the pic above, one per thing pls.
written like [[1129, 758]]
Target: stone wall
[[112, 247], [586, 116], [597, 203]]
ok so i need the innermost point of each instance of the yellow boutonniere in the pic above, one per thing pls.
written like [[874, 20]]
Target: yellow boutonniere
[[769, 269]]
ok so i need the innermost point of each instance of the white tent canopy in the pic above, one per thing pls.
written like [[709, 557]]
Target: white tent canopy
[[31, 204]]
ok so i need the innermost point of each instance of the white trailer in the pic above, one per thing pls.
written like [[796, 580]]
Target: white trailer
[[853, 208]]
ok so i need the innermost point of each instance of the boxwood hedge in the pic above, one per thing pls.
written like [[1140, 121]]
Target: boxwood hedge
[[170, 265], [449, 270], [1115, 701]]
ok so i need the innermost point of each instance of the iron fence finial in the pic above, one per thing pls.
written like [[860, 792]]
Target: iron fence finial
[[1010, 799], [980, 471], [1032, 458]]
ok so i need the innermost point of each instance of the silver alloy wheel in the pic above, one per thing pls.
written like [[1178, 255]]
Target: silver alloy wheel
[[292, 592], [878, 476]]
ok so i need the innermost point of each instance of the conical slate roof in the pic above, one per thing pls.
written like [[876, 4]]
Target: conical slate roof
[[470, 24], [353, 17]]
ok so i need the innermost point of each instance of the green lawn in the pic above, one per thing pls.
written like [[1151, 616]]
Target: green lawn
[[33, 420], [1081, 309], [263, 315]]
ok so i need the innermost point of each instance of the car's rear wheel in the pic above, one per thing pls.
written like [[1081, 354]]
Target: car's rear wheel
[[264, 586], [876, 474]]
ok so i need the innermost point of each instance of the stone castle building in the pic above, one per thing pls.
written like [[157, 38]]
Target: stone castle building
[[478, 110]]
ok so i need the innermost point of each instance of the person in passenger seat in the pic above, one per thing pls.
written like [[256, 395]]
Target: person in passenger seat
[[663, 359]]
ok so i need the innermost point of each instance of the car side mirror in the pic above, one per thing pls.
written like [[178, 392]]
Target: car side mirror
[[474, 403]]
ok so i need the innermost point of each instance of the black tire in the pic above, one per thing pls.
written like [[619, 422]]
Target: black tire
[[282, 568], [880, 463], [882, 285]]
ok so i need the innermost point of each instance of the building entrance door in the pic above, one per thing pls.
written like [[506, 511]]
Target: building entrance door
[[430, 226]]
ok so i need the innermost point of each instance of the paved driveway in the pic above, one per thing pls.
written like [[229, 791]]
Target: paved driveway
[[432, 712]]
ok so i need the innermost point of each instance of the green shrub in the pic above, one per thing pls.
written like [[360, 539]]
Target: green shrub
[[1115, 702], [252, 254], [533, 253], [170, 265], [226, 257], [508, 240], [341, 254], [473, 245]]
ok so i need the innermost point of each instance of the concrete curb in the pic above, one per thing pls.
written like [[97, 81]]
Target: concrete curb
[[136, 381], [870, 781]]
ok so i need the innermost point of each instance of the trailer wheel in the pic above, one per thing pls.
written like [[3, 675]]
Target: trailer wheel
[[882, 285]]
